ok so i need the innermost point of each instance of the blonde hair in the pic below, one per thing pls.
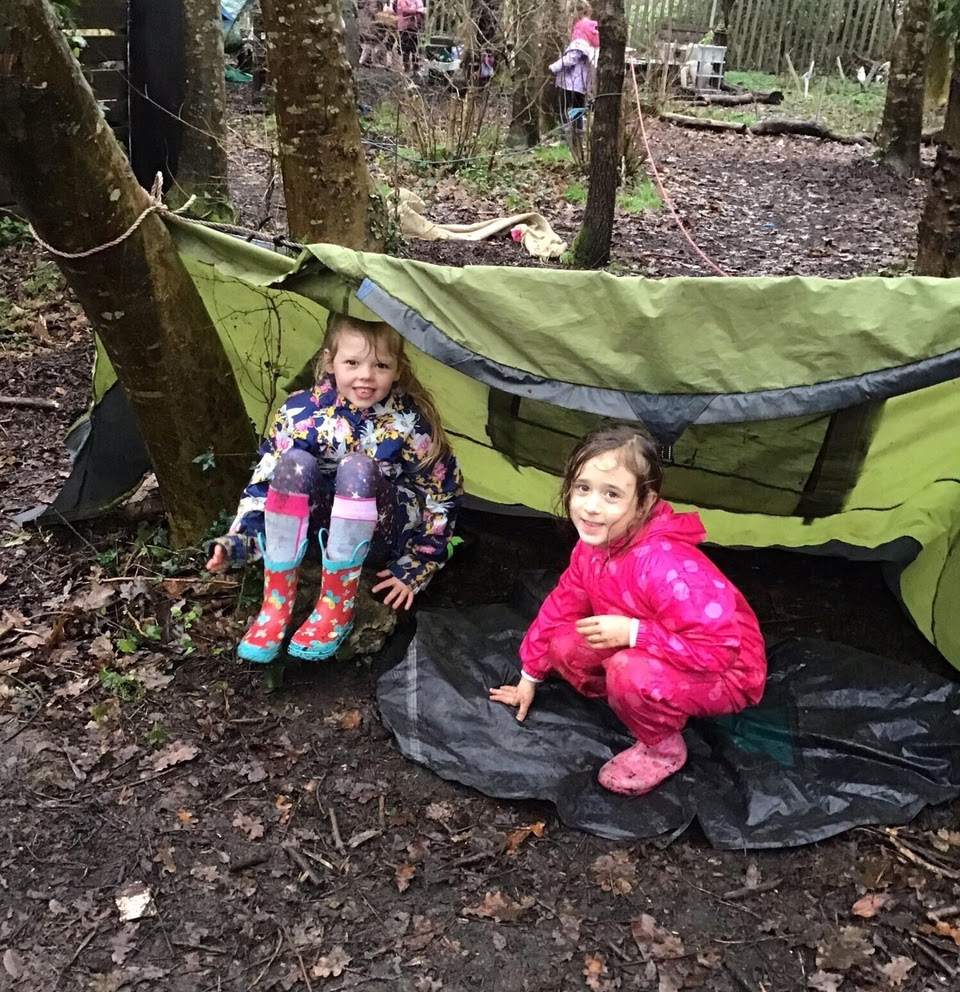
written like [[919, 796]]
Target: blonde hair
[[378, 334]]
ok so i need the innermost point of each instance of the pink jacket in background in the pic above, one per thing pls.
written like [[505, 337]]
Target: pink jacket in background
[[409, 14], [690, 614]]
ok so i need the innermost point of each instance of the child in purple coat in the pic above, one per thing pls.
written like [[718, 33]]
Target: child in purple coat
[[574, 70]]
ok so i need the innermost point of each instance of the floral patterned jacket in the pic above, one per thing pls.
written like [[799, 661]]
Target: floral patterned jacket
[[393, 432]]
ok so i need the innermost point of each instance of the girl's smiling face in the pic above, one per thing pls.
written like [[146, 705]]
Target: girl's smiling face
[[364, 370], [603, 500]]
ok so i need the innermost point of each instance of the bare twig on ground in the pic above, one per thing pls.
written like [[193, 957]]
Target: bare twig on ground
[[335, 829], [36, 402], [751, 890], [294, 854]]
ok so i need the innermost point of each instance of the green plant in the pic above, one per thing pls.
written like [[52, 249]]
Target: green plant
[[121, 685], [552, 154], [185, 617], [45, 279], [157, 735], [575, 193], [642, 196], [13, 231]]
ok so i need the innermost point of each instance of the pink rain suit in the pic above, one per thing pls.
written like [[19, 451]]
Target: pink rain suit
[[699, 650]]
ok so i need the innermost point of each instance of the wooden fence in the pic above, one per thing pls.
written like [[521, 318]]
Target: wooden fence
[[760, 33], [103, 26]]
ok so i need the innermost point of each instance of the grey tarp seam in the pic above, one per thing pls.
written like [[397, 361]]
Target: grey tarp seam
[[667, 415]]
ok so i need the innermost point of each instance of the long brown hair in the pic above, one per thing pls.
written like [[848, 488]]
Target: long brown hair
[[637, 451], [381, 334]]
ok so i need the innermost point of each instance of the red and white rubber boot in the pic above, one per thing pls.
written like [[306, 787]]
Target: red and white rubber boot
[[643, 767]]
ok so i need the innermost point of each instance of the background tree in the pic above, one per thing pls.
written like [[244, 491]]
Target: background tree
[[938, 241], [899, 136], [591, 247], [527, 76], [327, 187], [202, 164], [73, 182]]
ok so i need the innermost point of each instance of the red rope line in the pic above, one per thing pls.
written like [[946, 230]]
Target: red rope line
[[665, 196]]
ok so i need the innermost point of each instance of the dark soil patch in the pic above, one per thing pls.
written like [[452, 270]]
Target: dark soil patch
[[285, 842]]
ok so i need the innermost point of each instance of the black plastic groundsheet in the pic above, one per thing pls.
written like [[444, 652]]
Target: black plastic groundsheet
[[840, 739]]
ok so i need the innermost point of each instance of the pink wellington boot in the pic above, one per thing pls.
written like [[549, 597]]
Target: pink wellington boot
[[643, 767]]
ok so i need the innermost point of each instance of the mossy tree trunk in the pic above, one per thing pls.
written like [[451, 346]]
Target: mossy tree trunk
[[73, 182], [326, 184], [938, 242], [591, 248], [899, 136], [202, 165]]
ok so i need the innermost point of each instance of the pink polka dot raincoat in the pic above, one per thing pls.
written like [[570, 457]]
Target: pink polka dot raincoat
[[699, 651]]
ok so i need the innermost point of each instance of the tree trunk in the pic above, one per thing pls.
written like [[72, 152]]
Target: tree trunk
[[938, 242], [74, 183], [939, 66], [325, 180], [899, 136], [591, 248], [553, 33], [525, 116], [202, 167]]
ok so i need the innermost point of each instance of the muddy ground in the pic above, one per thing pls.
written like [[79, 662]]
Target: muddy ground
[[283, 841]]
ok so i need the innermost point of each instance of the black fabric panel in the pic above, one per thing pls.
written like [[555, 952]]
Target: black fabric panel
[[109, 461], [841, 739], [157, 73]]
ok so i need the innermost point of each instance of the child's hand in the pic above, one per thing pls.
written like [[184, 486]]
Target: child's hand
[[219, 562], [399, 595], [516, 695], [607, 631]]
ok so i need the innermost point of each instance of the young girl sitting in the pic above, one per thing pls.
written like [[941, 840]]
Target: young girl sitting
[[365, 454], [641, 617]]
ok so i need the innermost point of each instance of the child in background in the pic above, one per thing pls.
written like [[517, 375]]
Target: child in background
[[410, 18], [641, 617], [574, 70], [364, 453]]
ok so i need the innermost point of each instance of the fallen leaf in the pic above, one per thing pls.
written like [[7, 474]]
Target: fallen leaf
[[823, 981], [842, 951], [517, 837], [123, 942], [12, 963], [331, 965], [251, 826], [499, 941], [496, 906], [164, 857], [752, 878], [361, 838], [135, 900], [427, 984], [593, 968], [403, 875], [615, 873], [95, 597], [871, 904], [344, 719], [424, 930], [186, 820], [945, 839], [441, 812], [254, 771], [943, 929], [174, 754], [283, 804], [653, 942], [897, 968]]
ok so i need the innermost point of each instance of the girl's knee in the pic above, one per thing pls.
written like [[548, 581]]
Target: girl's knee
[[357, 476], [295, 471]]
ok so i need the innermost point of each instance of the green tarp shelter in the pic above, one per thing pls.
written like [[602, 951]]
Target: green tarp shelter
[[800, 413]]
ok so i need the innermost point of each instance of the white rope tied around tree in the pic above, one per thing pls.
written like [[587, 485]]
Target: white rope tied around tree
[[156, 206]]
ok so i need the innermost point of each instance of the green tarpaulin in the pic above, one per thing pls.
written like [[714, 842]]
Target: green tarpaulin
[[802, 413]]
